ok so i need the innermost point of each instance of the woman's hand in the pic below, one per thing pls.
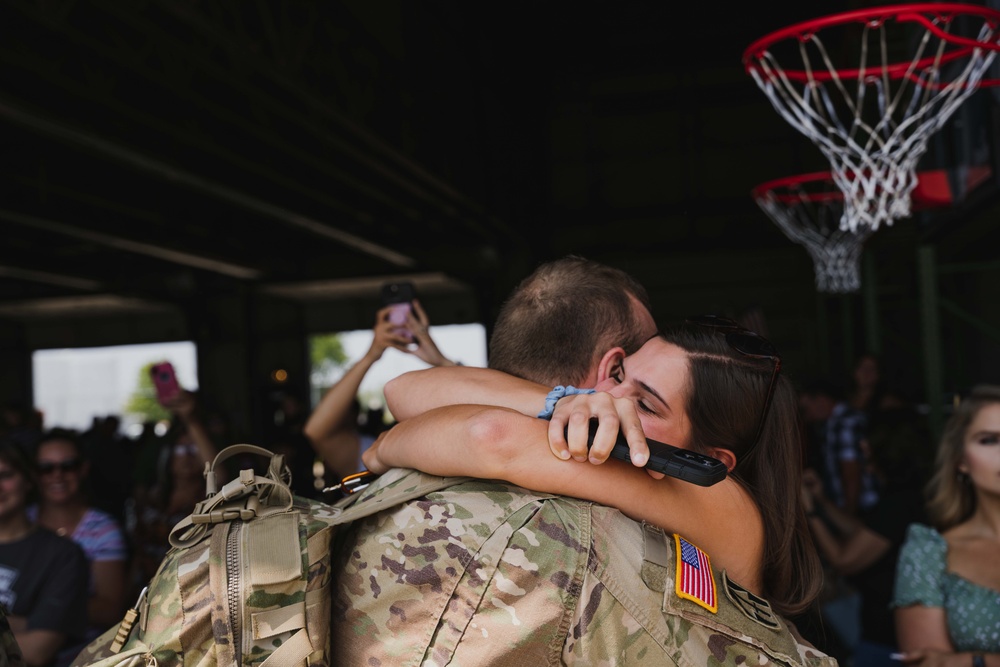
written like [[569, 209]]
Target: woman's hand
[[386, 335], [183, 405], [569, 428], [426, 349]]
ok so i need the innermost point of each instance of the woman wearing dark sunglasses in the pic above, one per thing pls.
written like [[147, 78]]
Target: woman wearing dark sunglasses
[[43, 577], [707, 385], [63, 508]]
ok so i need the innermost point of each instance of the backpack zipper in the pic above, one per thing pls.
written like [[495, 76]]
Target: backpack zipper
[[234, 589]]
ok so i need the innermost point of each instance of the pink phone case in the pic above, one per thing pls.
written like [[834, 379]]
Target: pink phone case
[[398, 313], [165, 381]]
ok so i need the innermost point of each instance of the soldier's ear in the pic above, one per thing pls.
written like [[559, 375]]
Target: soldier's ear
[[610, 363], [725, 455]]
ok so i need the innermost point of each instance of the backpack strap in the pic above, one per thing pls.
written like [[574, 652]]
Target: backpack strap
[[242, 498], [246, 497], [400, 486], [276, 467]]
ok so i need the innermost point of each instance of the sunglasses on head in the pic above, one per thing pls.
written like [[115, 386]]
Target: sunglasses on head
[[749, 344], [49, 467]]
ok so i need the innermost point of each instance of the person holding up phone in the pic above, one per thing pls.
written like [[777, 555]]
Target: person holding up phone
[[332, 426], [179, 483]]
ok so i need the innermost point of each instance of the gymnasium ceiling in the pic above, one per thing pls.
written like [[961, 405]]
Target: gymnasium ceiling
[[157, 150]]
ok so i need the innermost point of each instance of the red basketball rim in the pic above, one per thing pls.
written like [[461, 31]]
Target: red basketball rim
[[913, 13], [779, 186], [932, 189]]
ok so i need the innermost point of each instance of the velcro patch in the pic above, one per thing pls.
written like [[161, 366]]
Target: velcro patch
[[694, 580], [754, 607]]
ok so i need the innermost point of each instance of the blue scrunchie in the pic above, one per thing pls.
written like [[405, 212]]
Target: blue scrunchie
[[555, 395]]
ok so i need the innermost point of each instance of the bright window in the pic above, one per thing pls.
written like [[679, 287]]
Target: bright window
[[72, 386]]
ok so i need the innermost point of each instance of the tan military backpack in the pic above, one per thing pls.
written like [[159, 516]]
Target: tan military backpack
[[247, 580]]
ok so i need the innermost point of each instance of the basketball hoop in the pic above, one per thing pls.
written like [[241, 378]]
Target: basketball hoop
[[808, 209], [872, 119]]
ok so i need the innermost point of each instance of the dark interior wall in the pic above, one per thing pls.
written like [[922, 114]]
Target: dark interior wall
[[15, 363]]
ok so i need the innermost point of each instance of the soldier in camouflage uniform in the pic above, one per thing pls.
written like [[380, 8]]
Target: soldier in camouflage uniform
[[485, 573]]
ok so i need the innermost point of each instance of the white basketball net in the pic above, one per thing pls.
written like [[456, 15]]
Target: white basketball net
[[874, 126], [815, 224]]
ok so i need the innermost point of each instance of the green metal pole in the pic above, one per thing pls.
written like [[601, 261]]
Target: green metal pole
[[930, 317], [873, 333]]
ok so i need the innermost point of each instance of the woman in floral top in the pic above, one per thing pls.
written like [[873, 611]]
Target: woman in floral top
[[947, 597]]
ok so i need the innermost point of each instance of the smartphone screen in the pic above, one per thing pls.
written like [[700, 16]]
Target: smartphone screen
[[165, 382], [398, 296], [397, 315]]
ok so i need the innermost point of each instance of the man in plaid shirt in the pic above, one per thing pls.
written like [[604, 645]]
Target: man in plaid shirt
[[841, 448]]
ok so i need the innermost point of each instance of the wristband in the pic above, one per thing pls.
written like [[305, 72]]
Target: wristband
[[555, 395]]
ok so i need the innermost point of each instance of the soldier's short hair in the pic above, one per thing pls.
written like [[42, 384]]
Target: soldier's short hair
[[560, 320]]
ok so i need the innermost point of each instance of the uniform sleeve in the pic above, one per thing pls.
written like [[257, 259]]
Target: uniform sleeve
[[920, 568], [62, 604]]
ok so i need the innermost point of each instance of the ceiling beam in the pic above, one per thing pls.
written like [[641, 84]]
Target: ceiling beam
[[398, 170], [46, 278], [373, 153], [136, 247], [175, 175]]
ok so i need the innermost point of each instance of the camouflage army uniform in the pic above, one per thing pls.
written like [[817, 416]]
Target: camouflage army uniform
[[10, 652], [485, 573]]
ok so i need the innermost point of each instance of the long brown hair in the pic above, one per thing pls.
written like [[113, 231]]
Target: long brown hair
[[724, 404], [951, 498]]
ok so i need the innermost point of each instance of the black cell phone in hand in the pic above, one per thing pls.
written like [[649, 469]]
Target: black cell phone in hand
[[672, 461]]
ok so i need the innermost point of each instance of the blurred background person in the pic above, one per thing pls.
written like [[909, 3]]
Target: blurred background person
[[947, 594], [43, 577], [179, 485], [863, 550], [333, 427], [110, 483], [64, 509], [837, 431], [20, 424], [836, 452], [866, 383]]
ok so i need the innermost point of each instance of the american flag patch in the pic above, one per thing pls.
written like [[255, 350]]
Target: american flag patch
[[694, 579]]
